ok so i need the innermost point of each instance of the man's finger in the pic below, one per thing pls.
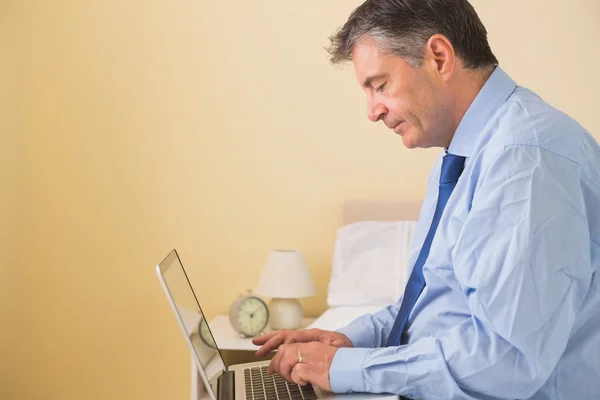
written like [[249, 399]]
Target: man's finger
[[290, 339], [274, 342], [284, 337], [295, 376], [274, 362], [289, 359], [285, 367], [303, 335], [259, 340], [302, 374]]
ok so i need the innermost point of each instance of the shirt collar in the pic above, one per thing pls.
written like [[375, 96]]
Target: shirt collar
[[492, 95]]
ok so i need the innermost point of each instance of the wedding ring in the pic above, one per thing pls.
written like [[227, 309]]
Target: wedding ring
[[299, 356]]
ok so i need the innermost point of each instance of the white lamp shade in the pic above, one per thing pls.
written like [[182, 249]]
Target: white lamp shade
[[285, 275]]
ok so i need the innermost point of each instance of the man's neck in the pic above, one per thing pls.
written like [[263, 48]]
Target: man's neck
[[466, 87]]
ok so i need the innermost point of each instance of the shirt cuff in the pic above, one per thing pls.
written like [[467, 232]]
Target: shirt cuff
[[346, 370], [358, 334]]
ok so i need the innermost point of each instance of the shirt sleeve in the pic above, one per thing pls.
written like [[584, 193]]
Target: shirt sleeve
[[522, 262], [372, 330]]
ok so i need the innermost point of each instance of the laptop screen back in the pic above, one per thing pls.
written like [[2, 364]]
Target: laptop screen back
[[190, 314]]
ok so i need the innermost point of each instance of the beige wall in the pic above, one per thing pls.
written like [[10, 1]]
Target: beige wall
[[220, 129], [10, 177]]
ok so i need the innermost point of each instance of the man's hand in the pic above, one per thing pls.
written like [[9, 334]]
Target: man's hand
[[314, 368], [273, 340]]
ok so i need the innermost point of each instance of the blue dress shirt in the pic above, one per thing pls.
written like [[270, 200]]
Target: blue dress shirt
[[511, 309]]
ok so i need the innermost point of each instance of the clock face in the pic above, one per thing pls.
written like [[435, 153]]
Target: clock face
[[205, 335], [252, 316]]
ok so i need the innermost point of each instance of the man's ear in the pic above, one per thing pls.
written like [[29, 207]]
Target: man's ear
[[440, 52]]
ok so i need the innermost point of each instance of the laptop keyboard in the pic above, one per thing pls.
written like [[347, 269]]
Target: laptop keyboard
[[260, 386]]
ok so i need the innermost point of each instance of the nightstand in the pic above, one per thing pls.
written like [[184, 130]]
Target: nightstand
[[235, 350]]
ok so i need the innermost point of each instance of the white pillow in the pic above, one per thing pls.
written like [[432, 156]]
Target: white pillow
[[370, 263]]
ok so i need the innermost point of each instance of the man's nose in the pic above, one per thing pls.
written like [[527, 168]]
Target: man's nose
[[375, 111]]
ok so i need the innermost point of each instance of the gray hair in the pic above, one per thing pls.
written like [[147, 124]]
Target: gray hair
[[403, 27]]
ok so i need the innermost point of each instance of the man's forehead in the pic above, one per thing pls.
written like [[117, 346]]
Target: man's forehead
[[368, 59]]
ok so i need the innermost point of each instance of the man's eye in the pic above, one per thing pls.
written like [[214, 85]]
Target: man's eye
[[380, 87]]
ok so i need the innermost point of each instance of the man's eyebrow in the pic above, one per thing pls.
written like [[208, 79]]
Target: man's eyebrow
[[370, 79]]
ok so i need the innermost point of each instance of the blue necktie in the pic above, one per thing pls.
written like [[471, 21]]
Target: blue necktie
[[452, 166]]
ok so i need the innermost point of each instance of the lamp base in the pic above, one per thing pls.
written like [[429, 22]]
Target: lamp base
[[285, 314]]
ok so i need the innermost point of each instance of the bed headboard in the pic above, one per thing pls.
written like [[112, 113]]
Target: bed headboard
[[380, 210]]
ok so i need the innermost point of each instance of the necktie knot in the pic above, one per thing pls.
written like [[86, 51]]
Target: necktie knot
[[452, 166]]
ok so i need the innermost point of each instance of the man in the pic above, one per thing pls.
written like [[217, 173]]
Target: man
[[503, 300]]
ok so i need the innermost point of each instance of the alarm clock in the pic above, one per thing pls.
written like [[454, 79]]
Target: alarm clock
[[249, 315], [205, 334]]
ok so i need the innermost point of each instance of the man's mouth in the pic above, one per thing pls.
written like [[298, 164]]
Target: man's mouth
[[399, 127]]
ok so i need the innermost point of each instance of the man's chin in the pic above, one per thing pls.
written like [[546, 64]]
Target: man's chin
[[409, 142]]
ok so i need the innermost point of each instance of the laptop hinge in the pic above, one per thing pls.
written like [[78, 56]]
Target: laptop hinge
[[226, 386]]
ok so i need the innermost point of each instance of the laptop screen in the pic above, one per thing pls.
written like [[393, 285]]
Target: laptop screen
[[191, 316]]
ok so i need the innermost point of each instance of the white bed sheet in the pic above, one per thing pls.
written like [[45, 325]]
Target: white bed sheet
[[338, 317]]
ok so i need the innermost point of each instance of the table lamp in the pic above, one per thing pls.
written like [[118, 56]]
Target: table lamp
[[285, 278]]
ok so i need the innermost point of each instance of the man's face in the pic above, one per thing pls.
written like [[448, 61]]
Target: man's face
[[411, 101]]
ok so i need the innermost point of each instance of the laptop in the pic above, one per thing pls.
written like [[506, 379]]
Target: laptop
[[235, 382]]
